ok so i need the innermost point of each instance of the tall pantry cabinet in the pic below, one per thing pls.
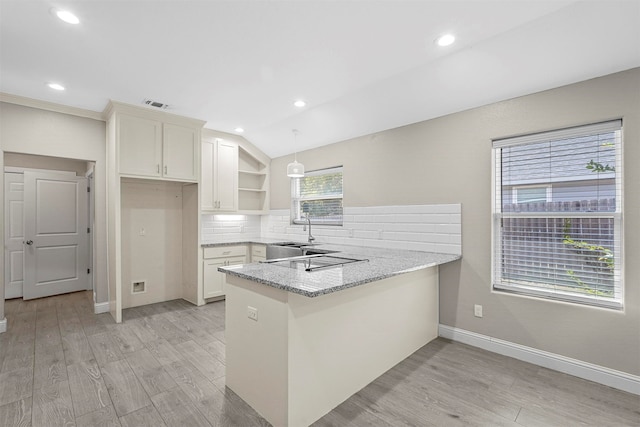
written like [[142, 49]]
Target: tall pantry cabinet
[[153, 179]]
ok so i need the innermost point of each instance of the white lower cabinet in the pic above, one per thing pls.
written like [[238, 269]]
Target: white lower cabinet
[[213, 280], [258, 252]]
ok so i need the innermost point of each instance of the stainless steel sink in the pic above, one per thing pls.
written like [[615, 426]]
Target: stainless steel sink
[[293, 249], [314, 262], [293, 244]]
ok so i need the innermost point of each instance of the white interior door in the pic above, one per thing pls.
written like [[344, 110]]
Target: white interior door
[[56, 237], [13, 234]]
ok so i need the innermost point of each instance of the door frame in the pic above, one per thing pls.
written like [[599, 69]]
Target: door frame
[[91, 223], [90, 211]]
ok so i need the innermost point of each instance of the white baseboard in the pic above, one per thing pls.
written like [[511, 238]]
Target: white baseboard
[[3, 325], [101, 307], [588, 371]]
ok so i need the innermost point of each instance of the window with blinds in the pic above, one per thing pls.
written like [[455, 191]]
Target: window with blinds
[[557, 214], [319, 195]]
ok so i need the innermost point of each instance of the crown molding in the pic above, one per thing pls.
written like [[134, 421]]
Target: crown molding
[[150, 113], [50, 106]]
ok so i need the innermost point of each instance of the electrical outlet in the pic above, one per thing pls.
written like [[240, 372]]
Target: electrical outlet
[[143, 232], [477, 310], [252, 313]]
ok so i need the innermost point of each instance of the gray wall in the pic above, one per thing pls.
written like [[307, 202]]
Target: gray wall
[[26, 130], [448, 160]]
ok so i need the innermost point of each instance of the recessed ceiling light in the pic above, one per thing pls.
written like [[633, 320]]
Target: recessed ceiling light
[[299, 103], [239, 130], [67, 17], [446, 40], [55, 86]]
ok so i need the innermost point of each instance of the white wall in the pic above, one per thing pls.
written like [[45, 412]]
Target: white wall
[[151, 241], [29, 161], [448, 160], [27, 130]]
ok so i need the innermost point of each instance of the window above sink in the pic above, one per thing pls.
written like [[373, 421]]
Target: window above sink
[[319, 195]]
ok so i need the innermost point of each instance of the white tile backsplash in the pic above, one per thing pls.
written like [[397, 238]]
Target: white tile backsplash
[[220, 228], [432, 228]]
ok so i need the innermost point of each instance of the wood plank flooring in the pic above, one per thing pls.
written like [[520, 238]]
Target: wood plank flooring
[[61, 365]]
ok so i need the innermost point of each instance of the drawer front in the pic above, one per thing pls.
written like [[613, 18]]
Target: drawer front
[[236, 260], [258, 251], [225, 251]]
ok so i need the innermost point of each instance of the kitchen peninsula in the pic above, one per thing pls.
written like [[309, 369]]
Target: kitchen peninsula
[[301, 342]]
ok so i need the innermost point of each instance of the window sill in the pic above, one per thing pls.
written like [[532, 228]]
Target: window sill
[[583, 300]]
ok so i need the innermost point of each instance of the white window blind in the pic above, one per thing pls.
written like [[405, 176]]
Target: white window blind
[[319, 195], [566, 245]]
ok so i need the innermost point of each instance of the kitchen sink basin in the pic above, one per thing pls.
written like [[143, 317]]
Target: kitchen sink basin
[[293, 244], [293, 249], [314, 262]]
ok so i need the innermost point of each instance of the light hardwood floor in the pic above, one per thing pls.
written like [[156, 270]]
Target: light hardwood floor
[[61, 365]]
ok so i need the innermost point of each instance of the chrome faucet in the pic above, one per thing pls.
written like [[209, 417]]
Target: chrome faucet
[[311, 238]]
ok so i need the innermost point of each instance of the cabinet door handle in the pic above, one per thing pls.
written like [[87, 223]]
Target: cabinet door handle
[[165, 169], [158, 168]]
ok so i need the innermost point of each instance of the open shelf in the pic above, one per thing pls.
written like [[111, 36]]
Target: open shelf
[[253, 182], [252, 200], [248, 164]]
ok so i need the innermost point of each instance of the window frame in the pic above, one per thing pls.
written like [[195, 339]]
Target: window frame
[[516, 188], [497, 284], [296, 200]]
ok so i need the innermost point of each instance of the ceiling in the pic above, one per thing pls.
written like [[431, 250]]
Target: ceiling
[[361, 66]]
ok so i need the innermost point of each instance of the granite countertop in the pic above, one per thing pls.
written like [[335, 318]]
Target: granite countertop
[[259, 240], [382, 263]]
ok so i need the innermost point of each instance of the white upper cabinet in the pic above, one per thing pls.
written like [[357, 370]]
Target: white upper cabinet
[[154, 144], [140, 145], [206, 180], [219, 175], [225, 172], [180, 152]]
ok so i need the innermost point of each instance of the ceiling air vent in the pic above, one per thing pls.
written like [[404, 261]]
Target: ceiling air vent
[[155, 104]]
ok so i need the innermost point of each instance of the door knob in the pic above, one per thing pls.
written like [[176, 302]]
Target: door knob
[[29, 242]]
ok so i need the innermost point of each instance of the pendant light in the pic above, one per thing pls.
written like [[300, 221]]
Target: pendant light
[[295, 169]]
